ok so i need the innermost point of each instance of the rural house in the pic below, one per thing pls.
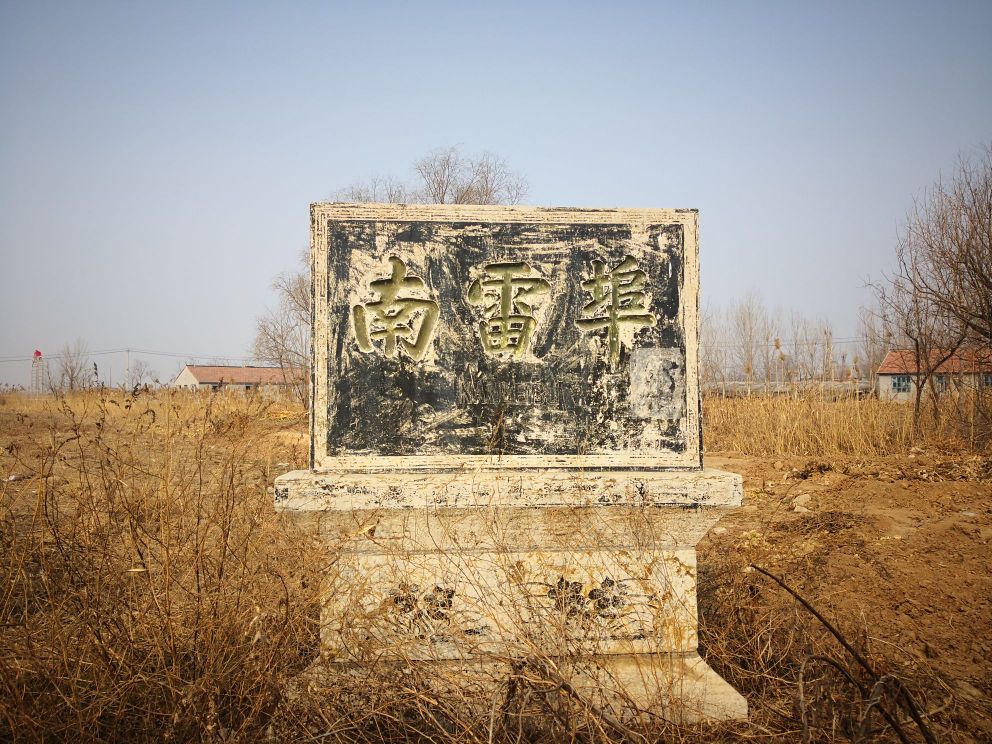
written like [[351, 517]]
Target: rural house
[[968, 368], [217, 377]]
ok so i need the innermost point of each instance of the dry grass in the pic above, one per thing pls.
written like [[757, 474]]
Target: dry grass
[[808, 424], [146, 585], [150, 593]]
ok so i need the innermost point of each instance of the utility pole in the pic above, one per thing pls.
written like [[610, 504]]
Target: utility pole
[[127, 373]]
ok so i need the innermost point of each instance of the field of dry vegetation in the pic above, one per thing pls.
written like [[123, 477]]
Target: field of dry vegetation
[[149, 592], [809, 423]]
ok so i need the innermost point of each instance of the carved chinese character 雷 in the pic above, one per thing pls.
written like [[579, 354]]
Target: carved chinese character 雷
[[508, 294]]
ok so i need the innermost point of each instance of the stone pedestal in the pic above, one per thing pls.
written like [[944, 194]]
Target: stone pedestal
[[506, 445], [489, 565]]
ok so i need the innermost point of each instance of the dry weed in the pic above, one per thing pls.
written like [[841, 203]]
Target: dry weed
[[149, 592], [813, 425]]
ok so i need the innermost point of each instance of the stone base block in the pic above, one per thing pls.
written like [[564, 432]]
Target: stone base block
[[465, 604], [681, 688], [678, 687], [554, 565]]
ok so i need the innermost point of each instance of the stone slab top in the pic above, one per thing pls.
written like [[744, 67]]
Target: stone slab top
[[489, 213], [305, 490], [449, 336]]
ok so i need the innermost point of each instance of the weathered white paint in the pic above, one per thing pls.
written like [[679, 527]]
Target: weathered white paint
[[345, 489], [473, 559], [187, 379], [366, 268], [975, 381]]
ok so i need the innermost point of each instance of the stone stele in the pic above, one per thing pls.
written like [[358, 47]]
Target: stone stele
[[506, 445]]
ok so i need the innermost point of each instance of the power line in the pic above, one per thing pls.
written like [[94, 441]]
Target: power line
[[146, 352], [783, 343]]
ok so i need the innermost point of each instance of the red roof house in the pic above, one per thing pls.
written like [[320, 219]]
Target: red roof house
[[214, 377], [970, 366]]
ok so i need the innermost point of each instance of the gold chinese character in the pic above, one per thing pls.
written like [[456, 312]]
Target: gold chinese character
[[508, 294], [617, 300], [398, 321]]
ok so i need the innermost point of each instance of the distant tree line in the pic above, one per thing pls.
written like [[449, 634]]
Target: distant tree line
[[745, 346], [73, 368]]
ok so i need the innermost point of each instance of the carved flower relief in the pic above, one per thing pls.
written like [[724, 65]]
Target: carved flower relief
[[421, 612], [405, 597], [568, 597], [434, 604], [607, 600], [437, 603]]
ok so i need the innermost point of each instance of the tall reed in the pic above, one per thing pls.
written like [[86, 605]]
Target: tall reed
[[807, 423]]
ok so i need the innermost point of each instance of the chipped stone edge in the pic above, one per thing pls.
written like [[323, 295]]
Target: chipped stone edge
[[304, 490]]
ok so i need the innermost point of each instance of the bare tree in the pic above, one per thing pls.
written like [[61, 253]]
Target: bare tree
[[875, 340], [378, 189], [930, 333], [802, 347], [448, 177], [746, 319], [940, 296], [713, 347], [74, 370], [810, 350], [282, 335], [945, 252], [445, 176], [750, 344], [140, 374], [770, 344], [442, 174], [495, 183], [827, 355]]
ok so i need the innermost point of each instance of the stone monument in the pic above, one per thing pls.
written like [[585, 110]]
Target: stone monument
[[506, 443]]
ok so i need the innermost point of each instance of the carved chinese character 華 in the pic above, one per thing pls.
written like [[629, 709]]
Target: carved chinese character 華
[[508, 294], [618, 301], [396, 321]]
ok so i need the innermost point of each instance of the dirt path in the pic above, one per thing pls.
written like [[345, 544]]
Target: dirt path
[[899, 548]]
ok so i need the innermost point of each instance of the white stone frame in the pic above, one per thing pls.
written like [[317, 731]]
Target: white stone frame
[[320, 213]]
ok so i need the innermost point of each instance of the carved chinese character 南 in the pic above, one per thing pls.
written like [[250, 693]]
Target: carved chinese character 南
[[508, 294], [618, 301], [397, 320]]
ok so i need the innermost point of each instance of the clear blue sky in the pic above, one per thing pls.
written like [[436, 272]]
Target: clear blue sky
[[157, 161]]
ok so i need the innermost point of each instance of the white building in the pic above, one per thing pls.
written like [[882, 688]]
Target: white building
[[217, 377], [967, 369]]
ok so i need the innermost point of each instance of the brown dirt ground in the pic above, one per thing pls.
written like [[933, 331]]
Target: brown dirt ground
[[899, 548]]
